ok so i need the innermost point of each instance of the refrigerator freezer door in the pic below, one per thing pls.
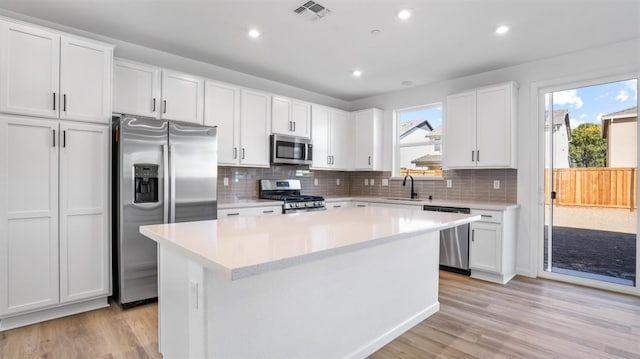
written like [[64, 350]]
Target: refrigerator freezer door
[[193, 161], [140, 159]]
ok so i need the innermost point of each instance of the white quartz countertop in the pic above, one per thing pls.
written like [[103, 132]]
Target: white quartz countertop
[[242, 247], [436, 202]]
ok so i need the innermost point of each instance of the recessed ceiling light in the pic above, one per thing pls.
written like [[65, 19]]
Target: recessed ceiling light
[[356, 73], [501, 30], [254, 34], [404, 14], [375, 32]]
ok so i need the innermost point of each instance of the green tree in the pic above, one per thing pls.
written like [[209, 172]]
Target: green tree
[[587, 148]]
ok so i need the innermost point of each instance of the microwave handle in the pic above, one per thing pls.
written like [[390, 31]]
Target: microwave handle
[[309, 152]]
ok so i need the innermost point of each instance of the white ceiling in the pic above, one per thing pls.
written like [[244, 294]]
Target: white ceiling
[[443, 39]]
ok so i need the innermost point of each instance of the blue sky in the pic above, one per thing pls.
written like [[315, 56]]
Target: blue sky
[[588, 104], [585, 104]]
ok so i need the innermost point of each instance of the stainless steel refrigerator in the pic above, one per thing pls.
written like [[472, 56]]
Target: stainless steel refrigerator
[[164, 172]]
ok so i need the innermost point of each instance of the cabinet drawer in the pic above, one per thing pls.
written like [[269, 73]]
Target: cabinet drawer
[[488, 216], [337, 205]]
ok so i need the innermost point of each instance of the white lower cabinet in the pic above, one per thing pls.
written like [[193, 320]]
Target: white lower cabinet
[[492, 246], [54, 216], [249, 212], [337, 205]]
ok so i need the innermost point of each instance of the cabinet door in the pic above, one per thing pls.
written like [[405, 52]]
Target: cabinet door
[[182, 97], [222, 109], [301, 117], [486, 247], [136, 89], [493, 126], [459, 131], [85, 80], [341, 141], [28, 214], [363, 134], [29, 70], [84, 217], [281, 116], [320, 132], [255, 119]]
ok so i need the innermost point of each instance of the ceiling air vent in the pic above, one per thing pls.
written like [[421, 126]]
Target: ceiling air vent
[[312, 10]]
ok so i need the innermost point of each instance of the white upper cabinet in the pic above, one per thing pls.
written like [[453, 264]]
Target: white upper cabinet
[[85, 80], [255, 120], [29, 70], [222, 109], [332, 139], [290, 117], [46, 74], [479, 128], [136, 89], [182, 97], [84, 211], [368, 139]]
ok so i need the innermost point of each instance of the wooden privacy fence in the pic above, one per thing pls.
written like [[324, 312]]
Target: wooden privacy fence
[[594, 187]]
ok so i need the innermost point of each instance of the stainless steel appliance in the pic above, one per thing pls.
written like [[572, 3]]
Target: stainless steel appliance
[[164, 172], [291, 150], [454, 243], [288, 190]]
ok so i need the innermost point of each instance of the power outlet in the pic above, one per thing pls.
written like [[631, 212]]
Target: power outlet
[[225, 181], [315, 181], [337, 181], [385, 181], [366, 181], [496, 184], [371, 181], [449, 183]]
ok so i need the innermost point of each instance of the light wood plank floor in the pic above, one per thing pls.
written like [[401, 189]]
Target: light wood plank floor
[[527, 318]]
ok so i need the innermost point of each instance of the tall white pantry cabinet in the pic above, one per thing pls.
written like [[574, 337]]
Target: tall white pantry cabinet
[[55, 114]]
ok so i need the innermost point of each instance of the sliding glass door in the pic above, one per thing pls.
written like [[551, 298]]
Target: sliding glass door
[[591, 184]]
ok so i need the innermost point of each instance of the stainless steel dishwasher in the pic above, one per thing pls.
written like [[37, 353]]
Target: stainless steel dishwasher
[[454, 243]]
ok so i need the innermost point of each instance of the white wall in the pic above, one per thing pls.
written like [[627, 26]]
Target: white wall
[[154, 57], [619, 58]]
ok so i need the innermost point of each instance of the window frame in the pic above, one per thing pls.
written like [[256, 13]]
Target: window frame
[[395, 173]]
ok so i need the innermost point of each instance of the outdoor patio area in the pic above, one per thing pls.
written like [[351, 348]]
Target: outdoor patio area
[[594, 243]]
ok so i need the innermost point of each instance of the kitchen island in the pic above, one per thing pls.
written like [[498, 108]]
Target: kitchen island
[[330, 284]]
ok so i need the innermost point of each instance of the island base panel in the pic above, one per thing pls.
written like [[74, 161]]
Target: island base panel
[[345, 306]]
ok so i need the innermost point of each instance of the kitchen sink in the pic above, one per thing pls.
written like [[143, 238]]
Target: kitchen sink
[[405, 199]]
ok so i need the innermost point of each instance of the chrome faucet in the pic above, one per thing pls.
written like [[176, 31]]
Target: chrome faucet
[[404, 183]]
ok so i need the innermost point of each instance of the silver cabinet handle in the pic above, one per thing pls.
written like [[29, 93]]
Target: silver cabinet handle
[[165, 179], [332, 160], [64, 138], [54, 101], [64, 102], [290, 126], [54, 138], [164, 106], [243, 153], [369, 160], [486, 216], [294, 126], [233, 214], [473, 235], [337, 206], [235, 153], [153, 108], [269, 211], [172, 184], [473, 156], [478, 156], [361, 205], [328, 160]]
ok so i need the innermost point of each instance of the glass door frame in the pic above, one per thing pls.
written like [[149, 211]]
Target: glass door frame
[[538, 95]]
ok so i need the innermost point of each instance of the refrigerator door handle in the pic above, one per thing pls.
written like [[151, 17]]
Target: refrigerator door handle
[[165, 174], [172, 185]]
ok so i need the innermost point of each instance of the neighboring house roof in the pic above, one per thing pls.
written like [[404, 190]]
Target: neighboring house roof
[[436, 134], [428, 161], [605, 121], [406, 128], [560, 117]]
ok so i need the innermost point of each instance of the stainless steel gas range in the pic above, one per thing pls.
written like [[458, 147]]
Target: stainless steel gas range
[[288, 191]]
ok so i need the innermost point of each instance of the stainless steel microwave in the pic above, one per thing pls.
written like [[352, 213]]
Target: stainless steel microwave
[[291, 150]]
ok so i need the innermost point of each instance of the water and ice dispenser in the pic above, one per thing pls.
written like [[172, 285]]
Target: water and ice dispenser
[[145, 184]]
